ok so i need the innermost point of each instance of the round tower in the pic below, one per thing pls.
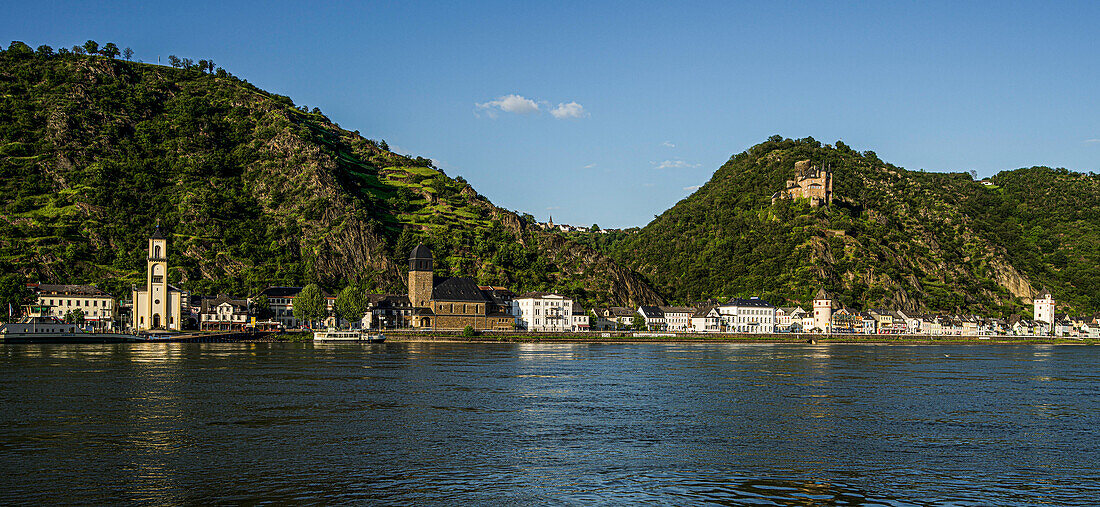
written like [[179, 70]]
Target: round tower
[[823, 311], [420, 276]]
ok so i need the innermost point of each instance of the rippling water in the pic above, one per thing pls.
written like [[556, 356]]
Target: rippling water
[[416, 423]]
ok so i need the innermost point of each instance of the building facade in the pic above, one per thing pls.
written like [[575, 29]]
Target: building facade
[[99, 308], [544, 311], [223, 314], [454, 303], [753, 315]]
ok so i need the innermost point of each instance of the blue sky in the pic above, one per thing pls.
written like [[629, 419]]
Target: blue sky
[[650, 98]]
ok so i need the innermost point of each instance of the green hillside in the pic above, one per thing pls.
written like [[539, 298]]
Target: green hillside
[[251, 189], [892, 237]]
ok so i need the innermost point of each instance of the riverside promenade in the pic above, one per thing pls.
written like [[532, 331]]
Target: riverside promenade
[[672, 337]]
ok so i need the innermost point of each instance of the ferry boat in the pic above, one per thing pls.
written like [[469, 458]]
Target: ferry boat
[[38, 329], [348, 335]]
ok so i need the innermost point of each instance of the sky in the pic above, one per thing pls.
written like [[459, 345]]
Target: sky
[[611, 112]]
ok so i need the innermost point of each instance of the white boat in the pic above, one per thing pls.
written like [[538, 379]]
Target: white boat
[[38, 329], [348, 335]]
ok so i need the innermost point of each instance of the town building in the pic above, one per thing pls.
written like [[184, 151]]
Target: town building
[[281, 302], [387, 311], [543, 311], [706, 320], [1044, 311], [223, 314], [823, 313], [99, 308], [580, 320], [654, 317], [788, 319], [677, 318], [753, 315], [160, 305], [453, 303]]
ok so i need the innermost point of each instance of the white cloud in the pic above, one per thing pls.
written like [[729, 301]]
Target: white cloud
[[648, 184], [590, 166], [512, 103], [1092, 140], [553, 207], [570, 110], [674, 164], [693, 188], [668, 144]]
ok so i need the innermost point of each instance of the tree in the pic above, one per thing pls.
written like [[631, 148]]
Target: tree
[[592, 319], [174, 61], [128, 53], [187, 63], [17, 48], [78, 50], [469, 331], [637, 323], [595, 228], [75, 316], [91, 47], [309, 306], [261, 307], [13, 295], [45, 50], [351, 304], [110, 50]]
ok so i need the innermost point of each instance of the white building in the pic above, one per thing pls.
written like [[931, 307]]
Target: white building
[[1044, 311], [543, 311], [706, 320], [580, 320], [823, 312], [677, 318], [223, 314], [159, 305], [788, 319], [99, 308], [281, 302], [753, 315], [654, 317]]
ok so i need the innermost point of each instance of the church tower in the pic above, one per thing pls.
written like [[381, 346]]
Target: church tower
[[156, 272], [1044, 309], [823, 311], [421, 279]]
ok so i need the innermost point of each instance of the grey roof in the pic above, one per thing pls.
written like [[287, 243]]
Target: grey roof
[[821, 294], [239, 305], [538, 294], [157, 234], [621, 311], [421, 251], [75, 290], [752, 302], [702, 312], [676, 309], [281, 292], [653, 312], [459, 289]]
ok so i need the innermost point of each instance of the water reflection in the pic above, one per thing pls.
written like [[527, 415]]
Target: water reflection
[[438, 422]]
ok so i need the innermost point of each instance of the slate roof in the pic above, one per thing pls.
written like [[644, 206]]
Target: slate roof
[[420, 252], [702, 312], [753, 302], [281, 292], [653, 312], [621, 311], [540, 295], [459, 289], [239, 305], [75, 290], [821, 294], [157, 234], [676, 309]]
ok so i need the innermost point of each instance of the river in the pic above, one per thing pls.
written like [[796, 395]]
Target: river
[[487, 423]]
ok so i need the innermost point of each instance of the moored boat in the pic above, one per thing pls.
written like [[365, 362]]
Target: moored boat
[[348, 335], [50, 330]]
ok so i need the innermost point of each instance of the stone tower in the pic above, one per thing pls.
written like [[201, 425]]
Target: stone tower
[[1044, 307], [421, 279], [823, 311]]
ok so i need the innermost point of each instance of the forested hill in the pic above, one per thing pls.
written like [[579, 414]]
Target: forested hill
[[251, 190], [892, 238]]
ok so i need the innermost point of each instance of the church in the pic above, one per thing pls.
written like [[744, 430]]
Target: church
[[456, 302], [159, 306]]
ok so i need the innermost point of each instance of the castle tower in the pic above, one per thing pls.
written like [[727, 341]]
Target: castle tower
[[421, 279], [1044, 308], [823, 311]]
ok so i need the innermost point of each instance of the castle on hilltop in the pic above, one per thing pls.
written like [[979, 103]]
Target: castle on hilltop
[[810, 182]]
